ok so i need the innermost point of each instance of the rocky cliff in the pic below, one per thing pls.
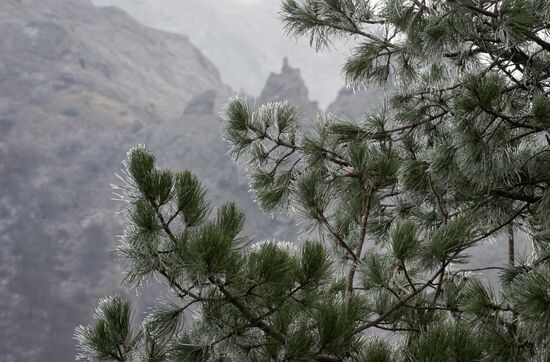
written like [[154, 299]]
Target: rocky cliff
[[288, 85], [79, 86], [244, 38]]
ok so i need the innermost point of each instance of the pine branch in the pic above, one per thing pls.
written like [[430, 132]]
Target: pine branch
[[173, 283], [333, 156], [407, 276], [401, 303], [515, 196], [241, 306], [337, 236], [468, 270], [439, 200], [460, 141], [361, 241], [439, 283], [481, 11]]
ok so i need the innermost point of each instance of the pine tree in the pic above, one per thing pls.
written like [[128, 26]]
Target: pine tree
[[393, 204]]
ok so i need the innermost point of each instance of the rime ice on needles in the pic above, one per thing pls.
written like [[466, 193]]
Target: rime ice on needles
[[400, 199]]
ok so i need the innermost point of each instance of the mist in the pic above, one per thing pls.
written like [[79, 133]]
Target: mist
[[245, 39]]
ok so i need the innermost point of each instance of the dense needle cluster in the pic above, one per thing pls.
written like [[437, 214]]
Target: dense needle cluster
[[393, 204]]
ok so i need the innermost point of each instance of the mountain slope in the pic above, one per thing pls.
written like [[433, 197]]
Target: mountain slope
[[79, 86], [245, 39]]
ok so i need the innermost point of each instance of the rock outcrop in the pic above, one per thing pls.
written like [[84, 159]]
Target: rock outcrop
[[79, 86], [244, 38], [288, 85]]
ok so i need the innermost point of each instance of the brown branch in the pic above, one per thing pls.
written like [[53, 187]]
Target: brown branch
[[515, 196], [362, 235], [440, 282], [163, 223], [280, 161], [481, 11], [399, 304], [497, 228], [338, 237], [396, 329], [478, 269], [259, 323], [335, 157], [543, 44], [169, 221], [439, 201], [420, 5], [407, 276], [514, 122], [240, 305], [511, 251], [173, 283]]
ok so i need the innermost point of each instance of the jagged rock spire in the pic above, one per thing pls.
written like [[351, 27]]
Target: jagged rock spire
[[289, 85], [285, 64]]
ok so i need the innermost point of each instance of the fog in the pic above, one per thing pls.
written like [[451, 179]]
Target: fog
[[82, 84], [245, 39], [79, 86]]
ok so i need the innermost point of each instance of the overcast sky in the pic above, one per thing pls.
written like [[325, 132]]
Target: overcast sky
[[244, 38]]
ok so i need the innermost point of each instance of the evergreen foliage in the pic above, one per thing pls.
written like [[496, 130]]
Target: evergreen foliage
[[458, 156]]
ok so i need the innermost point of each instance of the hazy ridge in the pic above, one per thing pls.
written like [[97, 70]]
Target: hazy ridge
[[79, 86]]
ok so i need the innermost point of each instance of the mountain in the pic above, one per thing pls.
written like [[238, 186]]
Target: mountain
[[79, 86], [288, 85], [245, 39], [193, 140], [353, 103]]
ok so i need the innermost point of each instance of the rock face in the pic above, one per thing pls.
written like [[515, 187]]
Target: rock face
[[79, 86], [244, 38], [289, 85], [204, 103]]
